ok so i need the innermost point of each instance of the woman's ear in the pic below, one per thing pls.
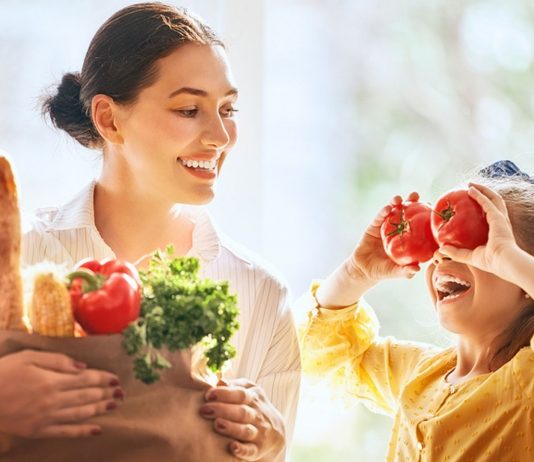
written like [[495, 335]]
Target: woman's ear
[[104, 112]]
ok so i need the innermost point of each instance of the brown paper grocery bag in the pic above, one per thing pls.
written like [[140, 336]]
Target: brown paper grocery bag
[[158, 422]]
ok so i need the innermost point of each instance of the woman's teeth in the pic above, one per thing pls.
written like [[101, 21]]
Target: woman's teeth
[[201, 164]]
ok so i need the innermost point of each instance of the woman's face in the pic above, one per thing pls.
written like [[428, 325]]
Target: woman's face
[[470, 301], [178, 132]]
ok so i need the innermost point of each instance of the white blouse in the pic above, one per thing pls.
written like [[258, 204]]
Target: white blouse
[[266, 343]]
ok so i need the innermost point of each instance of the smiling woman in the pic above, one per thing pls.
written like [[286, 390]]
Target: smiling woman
[[156, 96]]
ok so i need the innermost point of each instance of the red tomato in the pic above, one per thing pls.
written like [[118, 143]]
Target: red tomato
[[459, 221], [406, 234], [105, 295]]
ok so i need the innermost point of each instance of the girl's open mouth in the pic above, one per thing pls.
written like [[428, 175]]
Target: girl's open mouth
[[449, 288]]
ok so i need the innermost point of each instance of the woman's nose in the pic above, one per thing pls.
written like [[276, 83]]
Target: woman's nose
[[215, 134]]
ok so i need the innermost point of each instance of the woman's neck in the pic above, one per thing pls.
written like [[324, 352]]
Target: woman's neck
[[134, 224]]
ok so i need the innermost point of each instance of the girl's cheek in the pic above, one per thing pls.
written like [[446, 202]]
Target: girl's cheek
[[428, 278]]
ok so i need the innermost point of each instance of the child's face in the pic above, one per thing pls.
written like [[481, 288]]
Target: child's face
[[470, 301], [185, 115]]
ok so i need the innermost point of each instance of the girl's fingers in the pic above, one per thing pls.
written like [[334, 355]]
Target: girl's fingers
[[410, 271], [457, 254], [484, 201], [397, 200], [374, 228], [69, 431], [492, 195], [413, 197]]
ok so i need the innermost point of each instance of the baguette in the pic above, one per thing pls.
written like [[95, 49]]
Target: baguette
[[10, 240]]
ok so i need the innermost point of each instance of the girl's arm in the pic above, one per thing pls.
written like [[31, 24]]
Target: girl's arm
[[340, 341]]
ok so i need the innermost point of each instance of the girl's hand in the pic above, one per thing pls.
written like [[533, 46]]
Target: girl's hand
[[48, 395], [501, 241], [369, 260], [367, 265]]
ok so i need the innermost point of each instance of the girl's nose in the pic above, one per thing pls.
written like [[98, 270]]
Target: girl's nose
[[439, 258]]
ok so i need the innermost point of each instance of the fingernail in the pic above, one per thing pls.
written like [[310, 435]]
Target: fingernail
[[111, 405], [118, 394], [114, 382], [96, 431], [221, 426], [80, 365], [235, 448], [212, 397], [207, 411]]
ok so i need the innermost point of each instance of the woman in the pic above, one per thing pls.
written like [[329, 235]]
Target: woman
[[471, 402], [156, 96]]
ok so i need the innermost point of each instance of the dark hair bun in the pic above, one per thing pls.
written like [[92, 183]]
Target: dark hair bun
[[67, 112]]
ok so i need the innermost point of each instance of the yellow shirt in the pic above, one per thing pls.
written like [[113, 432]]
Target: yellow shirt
[[487, 418]]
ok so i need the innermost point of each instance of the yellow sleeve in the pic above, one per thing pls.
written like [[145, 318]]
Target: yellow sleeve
[[343, 346]]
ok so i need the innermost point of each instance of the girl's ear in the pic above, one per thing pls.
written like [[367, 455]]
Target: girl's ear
[[104, 112]]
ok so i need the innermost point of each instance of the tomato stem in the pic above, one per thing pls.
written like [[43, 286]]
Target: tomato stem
[[400, 228], [446, 214]]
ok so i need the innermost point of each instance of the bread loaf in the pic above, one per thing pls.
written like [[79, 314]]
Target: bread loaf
[[10, 240]]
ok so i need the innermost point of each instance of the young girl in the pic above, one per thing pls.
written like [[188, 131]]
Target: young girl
[[156, 95], [470, 402]]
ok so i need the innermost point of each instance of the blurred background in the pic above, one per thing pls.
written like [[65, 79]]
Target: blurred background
[[343, 104]]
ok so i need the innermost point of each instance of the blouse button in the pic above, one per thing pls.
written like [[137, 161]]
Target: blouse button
[[419, 446], [452, 389]]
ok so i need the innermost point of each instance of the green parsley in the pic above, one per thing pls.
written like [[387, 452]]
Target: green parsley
[[179, 310]]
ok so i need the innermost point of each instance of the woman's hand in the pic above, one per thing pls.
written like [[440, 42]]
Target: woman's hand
[[491, 257], [243, 412], [47, 395]]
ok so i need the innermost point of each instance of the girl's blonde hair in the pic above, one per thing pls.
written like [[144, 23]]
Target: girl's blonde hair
[[518, 193]]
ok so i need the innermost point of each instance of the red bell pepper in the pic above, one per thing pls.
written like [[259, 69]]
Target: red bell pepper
[[105, 295]]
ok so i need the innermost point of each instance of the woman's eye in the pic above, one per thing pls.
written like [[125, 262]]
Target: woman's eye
[[229, 111], [187, 112]]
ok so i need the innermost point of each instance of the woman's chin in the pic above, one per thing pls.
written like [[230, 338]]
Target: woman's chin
[[198, 198]]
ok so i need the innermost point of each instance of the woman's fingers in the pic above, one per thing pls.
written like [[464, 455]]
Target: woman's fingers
[[79, 413], [244, 451], [230, 395], [69, 431], [84, 396], [234, 412], [53, 362], [235, 430], [88, 379]]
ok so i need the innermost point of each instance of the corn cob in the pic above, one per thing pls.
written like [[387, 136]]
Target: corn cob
[[10, 277], [50, 311]]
